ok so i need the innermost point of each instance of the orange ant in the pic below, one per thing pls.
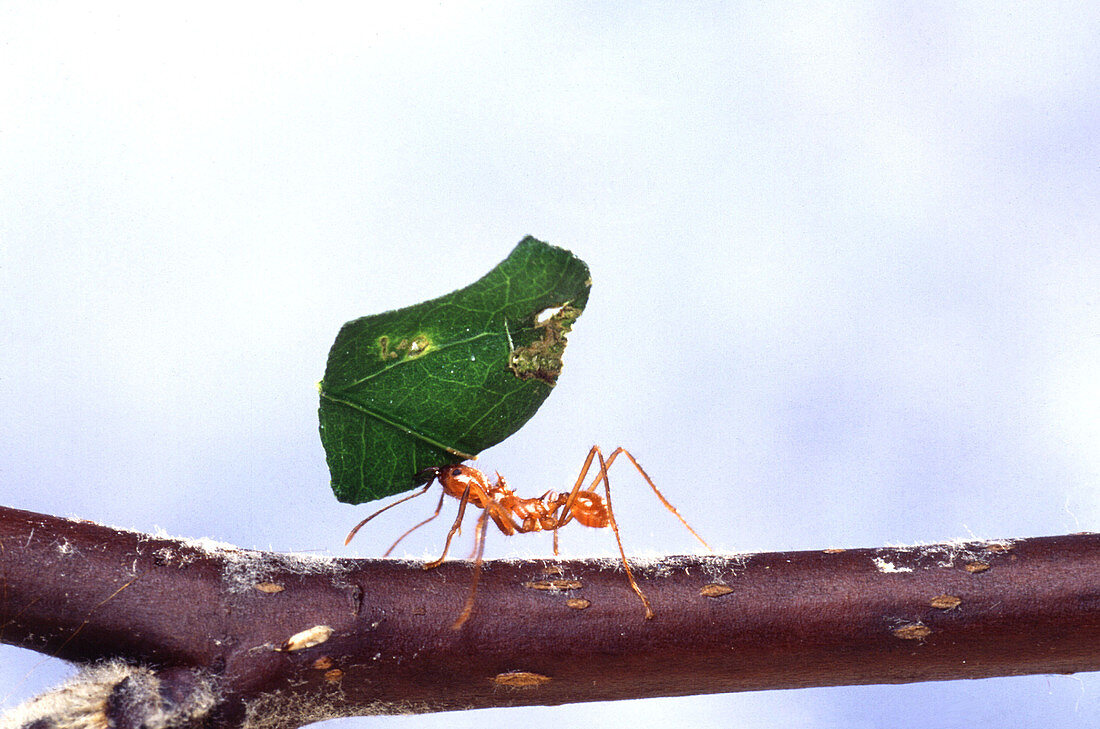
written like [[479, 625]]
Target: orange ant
[[514, 514]]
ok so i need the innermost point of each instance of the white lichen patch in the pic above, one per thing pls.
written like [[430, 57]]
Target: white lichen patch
[[888, 567], [946, 554], [173, 557], [249, 568], [245, 568], [719, 568]]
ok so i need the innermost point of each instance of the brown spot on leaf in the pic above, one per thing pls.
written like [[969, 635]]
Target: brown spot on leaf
[[715, 590], [323, 663], [334, 676], [269, 587], [406, 348], [833, 550], [577, 603], [975, 567], [520, 679]]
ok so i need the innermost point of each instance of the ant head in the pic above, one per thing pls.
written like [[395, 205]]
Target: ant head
[[451, 470], [427, 475], [456, 478]]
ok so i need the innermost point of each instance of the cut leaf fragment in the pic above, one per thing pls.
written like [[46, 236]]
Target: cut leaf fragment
[[438, 382]]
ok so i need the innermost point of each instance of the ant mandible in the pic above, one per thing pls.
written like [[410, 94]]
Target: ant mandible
[[518, 515]]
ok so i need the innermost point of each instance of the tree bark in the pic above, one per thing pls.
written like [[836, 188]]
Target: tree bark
[[226, 637]]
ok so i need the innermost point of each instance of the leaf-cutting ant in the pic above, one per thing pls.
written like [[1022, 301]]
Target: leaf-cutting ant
[[515, 514]]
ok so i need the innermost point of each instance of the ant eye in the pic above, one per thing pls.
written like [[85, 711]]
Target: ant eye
[[458, 471]]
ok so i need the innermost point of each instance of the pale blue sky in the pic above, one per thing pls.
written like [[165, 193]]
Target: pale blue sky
[[845, 266]]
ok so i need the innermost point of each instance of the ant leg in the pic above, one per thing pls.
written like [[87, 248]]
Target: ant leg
[[615, 528], [504, 521], [468, 608], [454, 528], [421, 492], [438, 508], [669, 506], [567, 503]]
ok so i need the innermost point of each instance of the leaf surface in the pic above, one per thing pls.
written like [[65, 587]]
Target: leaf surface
[[438, 382]]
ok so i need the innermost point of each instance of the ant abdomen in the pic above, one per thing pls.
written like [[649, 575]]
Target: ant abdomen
[[590, 510]]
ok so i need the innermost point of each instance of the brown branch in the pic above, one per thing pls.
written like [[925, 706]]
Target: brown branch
[[216, 624]]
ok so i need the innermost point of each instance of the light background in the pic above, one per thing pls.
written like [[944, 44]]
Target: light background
[[845, 260]]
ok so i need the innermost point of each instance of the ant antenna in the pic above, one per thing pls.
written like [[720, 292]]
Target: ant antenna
[[360, 525]]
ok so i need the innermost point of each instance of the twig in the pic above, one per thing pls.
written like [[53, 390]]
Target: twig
[[282, 640]]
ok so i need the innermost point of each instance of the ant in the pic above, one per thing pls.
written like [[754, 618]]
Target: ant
[[515, 514]]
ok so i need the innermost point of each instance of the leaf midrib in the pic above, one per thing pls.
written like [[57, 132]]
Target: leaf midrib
[[393, 423]]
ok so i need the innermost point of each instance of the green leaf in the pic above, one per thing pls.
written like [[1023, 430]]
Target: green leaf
[[438, 382]]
